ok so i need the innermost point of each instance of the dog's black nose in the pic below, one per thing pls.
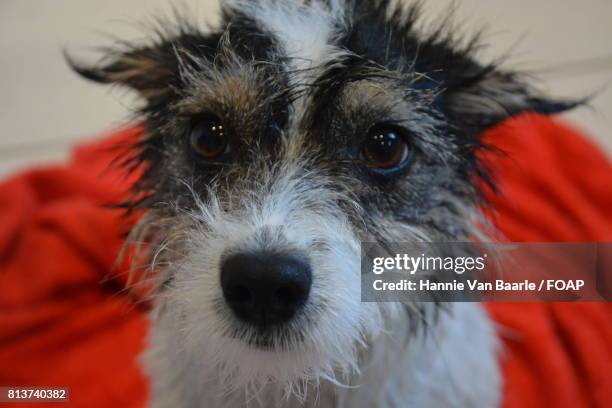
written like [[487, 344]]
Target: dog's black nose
[[264, 288]]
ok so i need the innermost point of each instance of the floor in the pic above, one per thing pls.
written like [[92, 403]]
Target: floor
[[45, 108]]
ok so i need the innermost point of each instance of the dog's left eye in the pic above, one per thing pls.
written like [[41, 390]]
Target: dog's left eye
[[209, 138], [385, 148]]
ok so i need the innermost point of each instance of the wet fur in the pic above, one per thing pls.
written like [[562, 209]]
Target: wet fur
[[299, 84]]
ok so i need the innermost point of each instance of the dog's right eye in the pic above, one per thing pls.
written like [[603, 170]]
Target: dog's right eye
[[209, 138]]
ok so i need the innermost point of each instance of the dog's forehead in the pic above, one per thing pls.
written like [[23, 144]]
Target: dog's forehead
[[305, 32], [304, 37], [271, 64], [283, 56]]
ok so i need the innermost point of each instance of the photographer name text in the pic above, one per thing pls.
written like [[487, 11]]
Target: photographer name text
[[476, 285]]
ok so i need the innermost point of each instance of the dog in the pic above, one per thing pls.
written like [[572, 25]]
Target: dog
[[276, 142]]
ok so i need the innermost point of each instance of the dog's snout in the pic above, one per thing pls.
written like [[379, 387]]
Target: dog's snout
[[264, 288]]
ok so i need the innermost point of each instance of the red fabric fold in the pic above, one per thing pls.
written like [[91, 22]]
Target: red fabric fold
[[555, 186]]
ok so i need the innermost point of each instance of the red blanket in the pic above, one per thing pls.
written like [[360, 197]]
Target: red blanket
[[65, 320]]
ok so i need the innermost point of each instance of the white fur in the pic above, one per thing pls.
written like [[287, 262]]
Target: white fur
[[282, 210], [353, 354], [306, 32], [455, 365]]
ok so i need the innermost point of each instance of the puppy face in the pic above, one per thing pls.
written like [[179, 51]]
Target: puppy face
[[277, 143]]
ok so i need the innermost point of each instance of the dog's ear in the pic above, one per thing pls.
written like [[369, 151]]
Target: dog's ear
[[150, 70], [490, 96], [473, 95]]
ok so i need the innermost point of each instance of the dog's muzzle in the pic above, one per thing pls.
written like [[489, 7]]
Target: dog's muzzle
[[265, 289]]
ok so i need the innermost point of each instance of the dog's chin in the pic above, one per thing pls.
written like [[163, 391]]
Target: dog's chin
[[272, 338], [281, 356], [264, 362]]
